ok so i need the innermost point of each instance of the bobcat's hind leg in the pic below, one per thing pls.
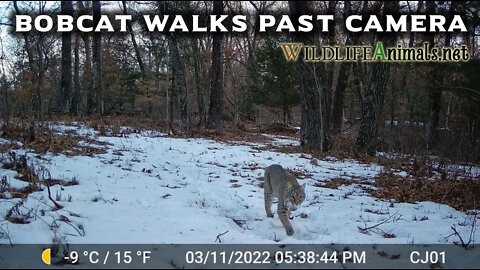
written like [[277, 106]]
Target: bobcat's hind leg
[[268, 203], [268, 194]]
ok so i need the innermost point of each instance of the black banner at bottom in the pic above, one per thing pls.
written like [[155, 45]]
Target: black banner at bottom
[[238, 256]]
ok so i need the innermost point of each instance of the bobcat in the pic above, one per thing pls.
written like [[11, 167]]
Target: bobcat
[[283, 185]]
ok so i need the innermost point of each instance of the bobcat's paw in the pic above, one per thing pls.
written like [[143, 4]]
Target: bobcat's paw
[[270, 215], [289, 231]]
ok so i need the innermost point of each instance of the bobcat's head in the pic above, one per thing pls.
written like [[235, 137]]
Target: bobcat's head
[[296, 195]]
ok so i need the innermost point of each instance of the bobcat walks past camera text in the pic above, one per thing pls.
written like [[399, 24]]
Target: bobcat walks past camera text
[[283, 185]]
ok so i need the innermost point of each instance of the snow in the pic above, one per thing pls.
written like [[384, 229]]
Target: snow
[[150, 189]]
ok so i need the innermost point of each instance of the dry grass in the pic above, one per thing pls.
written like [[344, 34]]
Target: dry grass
[[111, 126], [462, 195], [280, 129], [43, 140], [19, 164], [343, 146], [17, 216], [27, 173], [457, 144], [65, 144], [4, 148], [231, 133]]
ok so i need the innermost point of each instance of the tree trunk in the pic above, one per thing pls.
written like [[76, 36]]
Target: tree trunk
[[343, 76], [66, 75], [435, 106], [434, 93], [87, 66], [170, 100], [230, 73], [329, 70], [6, 109], [199, 82], [312, 126], [215, 112], [76, 77], [337, 110], [97, 59], [87, 73], [38, 101], [372, 109], [180, 80], [373, 101]]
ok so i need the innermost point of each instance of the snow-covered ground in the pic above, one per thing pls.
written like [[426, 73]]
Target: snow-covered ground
[[149, 188]]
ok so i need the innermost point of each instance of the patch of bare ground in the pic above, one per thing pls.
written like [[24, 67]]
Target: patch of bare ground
[[300, 174], [462, 195], [231, 133], [42, 140], [5, 147], [235, 134], [112, 126], [280, 129], [335, 183]]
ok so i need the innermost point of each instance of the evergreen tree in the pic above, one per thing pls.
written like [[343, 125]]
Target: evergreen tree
[[277, 77]]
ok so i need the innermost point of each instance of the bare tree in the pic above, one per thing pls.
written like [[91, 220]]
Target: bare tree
[[434, 80], [134, 41], [76, 77], [215, 112], [343, 76], [180, 80], [5, 106], [83, 9], [179, 95], [312, 133], [372, 106], [97, 59], [198, 68], [37, 68], [66, 75]]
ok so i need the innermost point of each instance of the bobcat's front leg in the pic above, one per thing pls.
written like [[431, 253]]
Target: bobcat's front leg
[[268, 203], [284, 215]]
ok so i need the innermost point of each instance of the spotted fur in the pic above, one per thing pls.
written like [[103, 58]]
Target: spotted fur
[[283, 185]]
